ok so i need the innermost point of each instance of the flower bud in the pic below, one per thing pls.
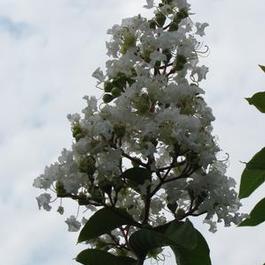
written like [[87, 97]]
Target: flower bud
[[160, 19], [77, 131], [108, 86], [183, 13], [172, 206], [120, 81], [119, 130], [180, 62], [152, 24], [83, 199], [129, 41], [180, 214], [173, 26], [87, 165], [142, 103], [60, 191], [115, 92]]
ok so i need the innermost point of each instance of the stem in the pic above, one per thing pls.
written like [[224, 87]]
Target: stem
[[147, 206]]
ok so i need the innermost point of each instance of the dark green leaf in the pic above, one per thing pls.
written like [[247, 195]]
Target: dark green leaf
[[253, 175], [100, 257], [174, 233], [258, 100], [137, 176], [262, 67], [104, 221], [257, 215], [200, 255], [182, 233]]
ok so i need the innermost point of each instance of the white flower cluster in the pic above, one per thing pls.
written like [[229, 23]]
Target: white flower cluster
[[153, 117]]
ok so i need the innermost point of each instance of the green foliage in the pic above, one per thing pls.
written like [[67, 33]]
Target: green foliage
[[99, 257], [257, 215], [258, 100], [187, 243], [200, 255], [137, 176], [253, 175], [104, 221]]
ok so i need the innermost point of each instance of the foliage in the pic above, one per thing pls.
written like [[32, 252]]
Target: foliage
[[254, 173]]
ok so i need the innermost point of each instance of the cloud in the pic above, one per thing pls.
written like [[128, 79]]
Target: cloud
[[17, 30]]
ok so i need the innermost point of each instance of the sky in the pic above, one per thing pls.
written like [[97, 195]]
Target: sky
[[48, 51]]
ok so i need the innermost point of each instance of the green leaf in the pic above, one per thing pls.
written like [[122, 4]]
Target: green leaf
[[172, 234], [137, 176], [181, 233], [262, 67], [258, 100], [100, 257], [200, 255], [257, 215], [253, 175], [104, 221]]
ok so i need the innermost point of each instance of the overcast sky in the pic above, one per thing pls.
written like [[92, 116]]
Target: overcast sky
[[48, 51]]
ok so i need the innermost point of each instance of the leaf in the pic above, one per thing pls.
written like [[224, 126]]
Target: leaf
[[253, 175], [258, 100], [257, 215], [182, 233], [100, 257], [200, 255], [262, 67], [174, 233], [137, 176], [104, 221]]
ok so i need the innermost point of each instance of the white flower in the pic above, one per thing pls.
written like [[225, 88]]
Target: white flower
[[91, 105], [44, 201], [212, 225], [73, 224], [98, 74], [200, 28], [149, 4], [201, 72], [60, 210]]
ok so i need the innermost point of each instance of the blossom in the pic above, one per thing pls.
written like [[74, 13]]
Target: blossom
[[44, 201], [152, 117], [149, 4], [200, 28], [73, 224], [98, 74]]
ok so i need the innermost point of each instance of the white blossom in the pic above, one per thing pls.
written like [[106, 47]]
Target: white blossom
[[73, 224], [149, 4], [152, 115], [98, 74], [44, 201], [200, 28]]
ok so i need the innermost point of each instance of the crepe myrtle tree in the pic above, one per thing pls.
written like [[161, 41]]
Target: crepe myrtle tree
[[143, 158]]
